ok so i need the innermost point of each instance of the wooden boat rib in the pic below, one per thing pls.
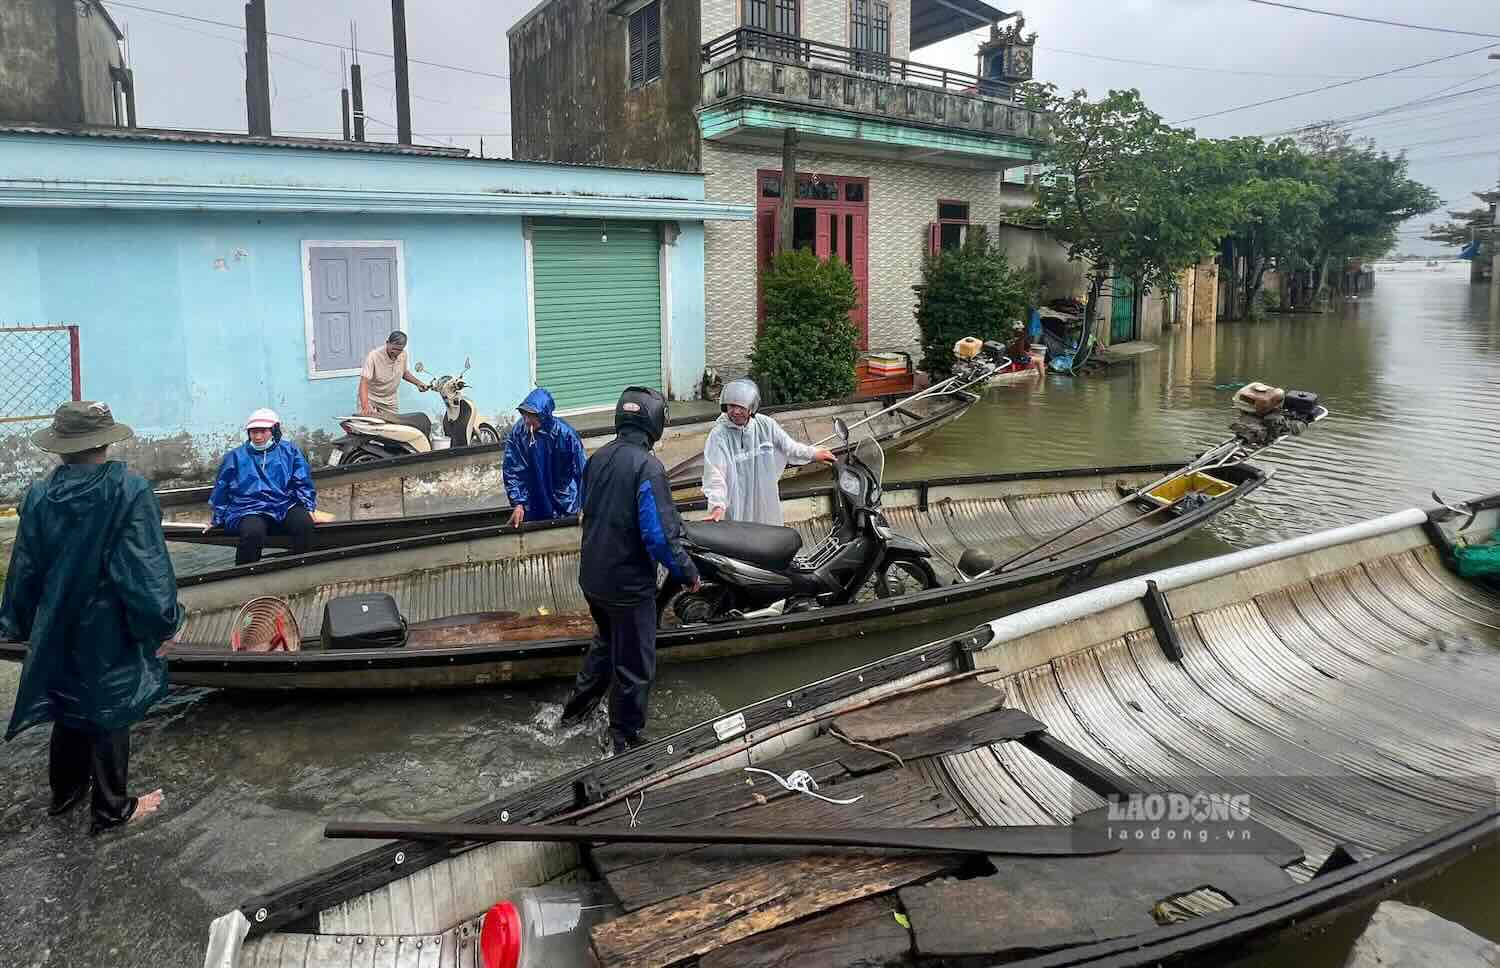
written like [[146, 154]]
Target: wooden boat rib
[[532, 575], [1306, 675], [454, 490]]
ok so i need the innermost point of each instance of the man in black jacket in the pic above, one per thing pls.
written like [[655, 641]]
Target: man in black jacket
[[629, 527]]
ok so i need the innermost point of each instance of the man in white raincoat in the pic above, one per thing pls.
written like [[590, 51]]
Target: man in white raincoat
[[744, 457]]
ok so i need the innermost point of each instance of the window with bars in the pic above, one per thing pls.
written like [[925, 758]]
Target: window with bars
[[870, 35], [645, 44], [780, 17]]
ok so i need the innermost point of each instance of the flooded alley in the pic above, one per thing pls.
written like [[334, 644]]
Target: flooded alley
[[1408, 373]]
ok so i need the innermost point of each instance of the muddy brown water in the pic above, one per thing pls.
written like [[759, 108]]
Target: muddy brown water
[[1412, 375]]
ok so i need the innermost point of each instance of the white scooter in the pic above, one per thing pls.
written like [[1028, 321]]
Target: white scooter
[[371, 438]]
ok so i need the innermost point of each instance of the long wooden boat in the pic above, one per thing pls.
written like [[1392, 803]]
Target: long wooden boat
[[495, 605], [1339, 692], [461, 488]]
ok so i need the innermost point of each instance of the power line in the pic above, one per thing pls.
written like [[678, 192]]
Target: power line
[[1219, 70], [1329, 87], [310, 40], [1373, 20]]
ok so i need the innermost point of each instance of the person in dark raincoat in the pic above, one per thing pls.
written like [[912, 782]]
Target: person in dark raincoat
[[629, 527], [264, 487], [543, 463], [92, 591]]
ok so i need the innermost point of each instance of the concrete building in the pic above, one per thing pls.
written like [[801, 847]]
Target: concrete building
[[60, 64], [895, 157], [208, 275]]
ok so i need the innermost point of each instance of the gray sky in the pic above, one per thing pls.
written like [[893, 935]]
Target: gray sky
[[191, 74]]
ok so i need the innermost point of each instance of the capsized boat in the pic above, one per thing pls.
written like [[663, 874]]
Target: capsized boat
[[461, 488], [1270, 737], [494, 605]]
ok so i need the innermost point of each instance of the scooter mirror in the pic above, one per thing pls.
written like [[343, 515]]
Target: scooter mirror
[[467, 364], [841, 428], [421, 368]]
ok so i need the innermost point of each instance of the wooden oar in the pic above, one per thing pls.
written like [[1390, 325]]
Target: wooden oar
[[1019, 841]]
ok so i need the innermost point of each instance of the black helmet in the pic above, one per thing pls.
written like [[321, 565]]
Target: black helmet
[[644, 409]]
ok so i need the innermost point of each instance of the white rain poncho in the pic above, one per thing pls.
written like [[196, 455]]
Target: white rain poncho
[[741, 467]]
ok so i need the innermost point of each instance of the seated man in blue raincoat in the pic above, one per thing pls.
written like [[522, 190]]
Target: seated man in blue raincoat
[[264, 487], [92, 592], [543, 463], [744, 457]]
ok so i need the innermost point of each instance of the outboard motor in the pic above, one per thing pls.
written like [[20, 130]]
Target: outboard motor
[[1267, 413]]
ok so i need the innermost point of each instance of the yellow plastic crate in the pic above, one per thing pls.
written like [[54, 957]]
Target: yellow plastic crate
[[1173, 490]]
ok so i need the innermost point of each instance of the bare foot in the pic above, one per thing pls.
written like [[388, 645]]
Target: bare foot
[[146, 805]]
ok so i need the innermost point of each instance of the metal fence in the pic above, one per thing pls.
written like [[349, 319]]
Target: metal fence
[[38, 371]]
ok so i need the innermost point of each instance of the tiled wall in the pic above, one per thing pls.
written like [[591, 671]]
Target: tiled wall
[[903, 203], [822, 20]]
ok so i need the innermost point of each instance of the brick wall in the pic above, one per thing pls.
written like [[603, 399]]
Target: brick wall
[[903, 202]]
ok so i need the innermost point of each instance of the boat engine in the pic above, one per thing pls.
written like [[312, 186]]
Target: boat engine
[[1267, 413]]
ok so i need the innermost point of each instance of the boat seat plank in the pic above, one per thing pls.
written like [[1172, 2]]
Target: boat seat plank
[[973, 732], [641, 876], [1030, 905], [857, 935], [759, 900], [920, 711]]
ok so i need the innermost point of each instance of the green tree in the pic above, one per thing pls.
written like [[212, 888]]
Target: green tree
[[1369, 196], [1127, 193], [1278, 204], [808, 349], [969, 291]]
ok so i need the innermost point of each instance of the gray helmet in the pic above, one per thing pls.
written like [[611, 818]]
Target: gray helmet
[[741, 393]]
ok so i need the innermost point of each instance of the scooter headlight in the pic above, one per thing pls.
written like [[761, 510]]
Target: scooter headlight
[[849, 484]]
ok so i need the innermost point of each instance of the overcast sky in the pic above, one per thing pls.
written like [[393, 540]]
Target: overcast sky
[[1222, 54]]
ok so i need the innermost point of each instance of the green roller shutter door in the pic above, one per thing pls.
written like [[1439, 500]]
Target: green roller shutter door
[[598, 311]]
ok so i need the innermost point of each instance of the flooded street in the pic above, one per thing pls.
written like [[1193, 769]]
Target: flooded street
[[1411, 375]]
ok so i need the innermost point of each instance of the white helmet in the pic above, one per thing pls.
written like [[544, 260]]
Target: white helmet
[[263, 419], [740, 393]]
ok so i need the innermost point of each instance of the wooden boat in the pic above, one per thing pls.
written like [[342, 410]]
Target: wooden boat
[[461, 488], [1339, 691], [463, 577]]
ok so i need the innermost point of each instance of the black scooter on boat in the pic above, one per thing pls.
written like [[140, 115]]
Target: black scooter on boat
[[756, 571]]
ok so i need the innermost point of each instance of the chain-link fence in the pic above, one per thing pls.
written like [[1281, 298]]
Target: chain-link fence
[[38, 371]]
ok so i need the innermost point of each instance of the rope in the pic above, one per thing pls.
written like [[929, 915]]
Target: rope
[[635, 811], [867, 746], [801, 781]]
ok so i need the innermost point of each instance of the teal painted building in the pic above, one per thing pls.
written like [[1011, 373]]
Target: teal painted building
[[210, 275]]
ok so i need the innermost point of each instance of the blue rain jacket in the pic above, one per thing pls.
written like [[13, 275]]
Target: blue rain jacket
[[92, 591], [544, 470], [266, 483]]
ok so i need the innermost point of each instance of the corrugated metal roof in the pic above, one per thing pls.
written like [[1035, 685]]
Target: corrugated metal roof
[[225, 138], [935, 20]]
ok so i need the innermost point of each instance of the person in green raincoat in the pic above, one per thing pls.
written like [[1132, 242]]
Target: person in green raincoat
[[92, 591]]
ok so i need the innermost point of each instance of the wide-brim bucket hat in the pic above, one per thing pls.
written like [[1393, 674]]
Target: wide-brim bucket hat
[[81, 425]]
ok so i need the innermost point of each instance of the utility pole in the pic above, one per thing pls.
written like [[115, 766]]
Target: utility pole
[[356, 83], [257, 70], [403, 84], [787, 216]]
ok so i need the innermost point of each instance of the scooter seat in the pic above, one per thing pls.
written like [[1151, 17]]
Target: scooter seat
[[765, 545], [417, 421]]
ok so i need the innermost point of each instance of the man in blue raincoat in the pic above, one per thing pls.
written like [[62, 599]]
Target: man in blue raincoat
[[264, 487], [92, 592], [543, 463]]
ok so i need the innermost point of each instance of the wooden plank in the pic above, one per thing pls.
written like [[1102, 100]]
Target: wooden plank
[[765, 898], [1033, 904], [920, 711], [996, 726], [855, 935]]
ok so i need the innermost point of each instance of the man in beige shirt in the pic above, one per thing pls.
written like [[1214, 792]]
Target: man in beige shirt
[[380, 378]]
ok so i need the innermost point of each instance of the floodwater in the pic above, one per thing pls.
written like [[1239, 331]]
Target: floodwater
[[1410, 373]]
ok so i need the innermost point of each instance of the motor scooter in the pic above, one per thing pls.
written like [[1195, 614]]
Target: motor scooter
[[370, 438], [755, 570]]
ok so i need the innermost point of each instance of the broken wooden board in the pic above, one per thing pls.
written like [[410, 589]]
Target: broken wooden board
[[641, 876], [921, 711], [764, 898], [1032, 904], [855, 935], [995, 726]]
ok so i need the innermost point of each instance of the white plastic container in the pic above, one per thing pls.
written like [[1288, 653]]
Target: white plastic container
[[544, 927], [439, 442]]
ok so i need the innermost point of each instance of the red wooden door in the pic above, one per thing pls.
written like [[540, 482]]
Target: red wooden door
[[858, 224], [841, 231]]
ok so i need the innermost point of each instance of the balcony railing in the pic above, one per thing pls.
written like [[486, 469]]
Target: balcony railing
[[815, 54]]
